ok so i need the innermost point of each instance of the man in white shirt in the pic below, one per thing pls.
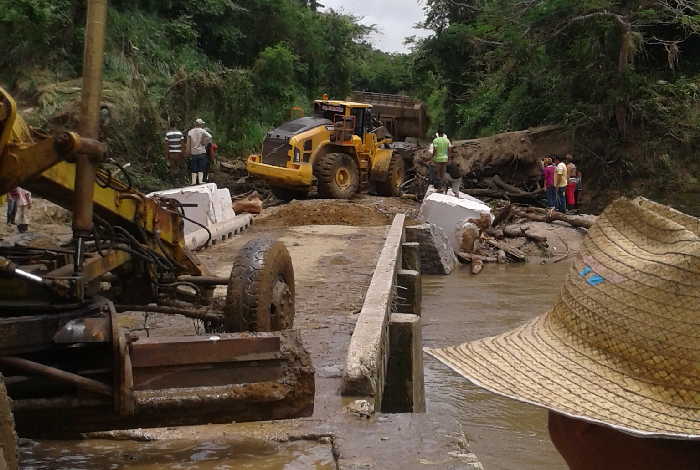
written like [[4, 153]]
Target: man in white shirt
[[197, 141]]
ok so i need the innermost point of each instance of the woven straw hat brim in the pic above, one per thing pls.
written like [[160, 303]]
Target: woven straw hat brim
[[621, 347], [533, 365]]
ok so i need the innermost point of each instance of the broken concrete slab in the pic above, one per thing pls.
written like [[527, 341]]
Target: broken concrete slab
[[436, 255], [449, 213]]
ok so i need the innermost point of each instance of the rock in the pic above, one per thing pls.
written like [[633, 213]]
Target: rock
[[449, 213], [467, 235], [361, 408], [436, 255]]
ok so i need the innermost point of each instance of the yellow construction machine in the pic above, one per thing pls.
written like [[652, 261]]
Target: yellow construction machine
[[340, 149], [67, 364]]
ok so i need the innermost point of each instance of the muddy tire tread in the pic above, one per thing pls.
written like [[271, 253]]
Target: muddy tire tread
[[254, 270], [325, 172], [385, 188]]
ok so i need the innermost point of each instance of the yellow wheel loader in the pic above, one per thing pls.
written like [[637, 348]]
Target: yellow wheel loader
[[341, 149]]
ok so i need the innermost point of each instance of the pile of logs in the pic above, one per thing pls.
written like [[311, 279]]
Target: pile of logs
[[484, 242]]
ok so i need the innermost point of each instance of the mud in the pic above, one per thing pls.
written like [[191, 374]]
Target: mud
[[362, 211]]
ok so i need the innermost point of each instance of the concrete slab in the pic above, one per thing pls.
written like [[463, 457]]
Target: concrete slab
[[449, 213], [212, 209]]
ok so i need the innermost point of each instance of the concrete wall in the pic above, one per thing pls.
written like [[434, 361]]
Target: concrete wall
[[393, 289]]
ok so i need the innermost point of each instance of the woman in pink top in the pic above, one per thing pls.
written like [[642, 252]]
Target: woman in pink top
[[550, 189]]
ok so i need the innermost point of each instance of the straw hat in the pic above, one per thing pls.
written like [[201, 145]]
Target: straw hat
[[621, 346]]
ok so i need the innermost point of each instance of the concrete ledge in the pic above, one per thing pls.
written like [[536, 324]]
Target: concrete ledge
[[366, 363]]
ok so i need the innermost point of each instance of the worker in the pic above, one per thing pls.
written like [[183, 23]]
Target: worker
[[23, 200], [11, 206], [197, 140], [561, 181], [212, 149], [453, 175], [174, 143], [440, 150], [572, 173], [616, 361], [549, 188]]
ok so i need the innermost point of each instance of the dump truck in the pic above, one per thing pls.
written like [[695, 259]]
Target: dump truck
[[341, 149], [66, 364], [403, 117]]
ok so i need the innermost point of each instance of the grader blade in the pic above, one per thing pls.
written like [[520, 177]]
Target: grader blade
[[235, 377]]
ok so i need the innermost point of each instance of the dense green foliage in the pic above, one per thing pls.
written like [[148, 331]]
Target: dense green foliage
[[622, 74], [240, 65]]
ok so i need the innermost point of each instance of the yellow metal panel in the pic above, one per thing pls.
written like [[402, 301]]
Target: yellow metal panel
[[299, 176], [380, 164]]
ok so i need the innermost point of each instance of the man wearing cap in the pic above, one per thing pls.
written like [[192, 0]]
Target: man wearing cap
[[616, 361], [197, 141]]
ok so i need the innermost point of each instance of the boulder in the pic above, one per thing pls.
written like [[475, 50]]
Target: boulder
[[449, 214], [436, 255]]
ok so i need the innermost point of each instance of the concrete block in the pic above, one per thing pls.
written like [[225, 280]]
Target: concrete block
[[436, 255], [405, 385], [410, 291], [212, 209], [411, 255], [449, 213]]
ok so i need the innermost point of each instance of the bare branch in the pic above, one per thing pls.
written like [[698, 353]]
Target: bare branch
[[619, 19]]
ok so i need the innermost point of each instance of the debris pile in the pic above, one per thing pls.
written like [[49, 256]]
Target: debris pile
[[520, 234]]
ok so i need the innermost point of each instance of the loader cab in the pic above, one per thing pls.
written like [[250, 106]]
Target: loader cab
[[355, 118]]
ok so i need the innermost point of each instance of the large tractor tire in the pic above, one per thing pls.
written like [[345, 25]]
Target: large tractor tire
[[396, 175], [8, 439], [338, 176], [287, 195], [261, 289]]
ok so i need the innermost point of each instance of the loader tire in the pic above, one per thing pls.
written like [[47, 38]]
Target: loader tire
[[287, 195], [8, 439], [395, 177], [338, 176], [261, 289]]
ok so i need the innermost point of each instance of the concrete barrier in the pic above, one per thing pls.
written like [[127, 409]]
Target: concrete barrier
[[206, 205], [366, 363], [383, 350]]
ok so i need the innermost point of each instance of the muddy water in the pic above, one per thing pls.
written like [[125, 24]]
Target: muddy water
[[175, 454], [505, 434]]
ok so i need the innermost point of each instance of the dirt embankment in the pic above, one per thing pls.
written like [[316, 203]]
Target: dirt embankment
[[363, 211]]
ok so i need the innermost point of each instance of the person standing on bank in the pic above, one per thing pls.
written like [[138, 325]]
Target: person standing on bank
[[549, 188], [572, 173], [441, 150], [616, 360], [561, 181], [197, 141], [174, 143], [12, 196], [24, 205]]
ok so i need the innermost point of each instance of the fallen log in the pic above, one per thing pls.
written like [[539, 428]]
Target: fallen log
[[518, 231], [512, 253], [549, 216], [468, 258]]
